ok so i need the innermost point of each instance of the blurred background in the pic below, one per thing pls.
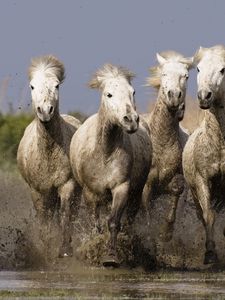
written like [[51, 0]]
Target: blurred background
[[85, 34]]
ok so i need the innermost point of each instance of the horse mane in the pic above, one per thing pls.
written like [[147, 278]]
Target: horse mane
[[217, 49], [109, 71], [48, 64], [154, 80]]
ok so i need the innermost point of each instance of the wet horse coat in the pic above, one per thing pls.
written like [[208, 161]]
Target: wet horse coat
[[111, 152], [43, 153], [204, 153], [167, 137]]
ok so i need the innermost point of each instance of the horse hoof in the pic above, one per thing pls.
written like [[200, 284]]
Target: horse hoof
[[66, 252], [210, 258], [111, 261]]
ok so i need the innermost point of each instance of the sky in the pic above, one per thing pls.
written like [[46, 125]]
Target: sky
[[85, 34]]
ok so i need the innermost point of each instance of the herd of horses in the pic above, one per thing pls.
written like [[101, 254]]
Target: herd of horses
[[120, 156]]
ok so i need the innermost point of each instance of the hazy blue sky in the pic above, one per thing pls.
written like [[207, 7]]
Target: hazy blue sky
[[85, 34]]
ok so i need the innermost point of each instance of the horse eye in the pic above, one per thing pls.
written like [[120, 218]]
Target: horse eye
[[57, 86], [109, 95], [32, 87], [198, 70], [186, 76], [222, 71], [133, 93]]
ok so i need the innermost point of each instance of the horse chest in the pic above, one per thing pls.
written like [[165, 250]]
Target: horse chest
[[102, 176], [48, 170], [169, 162]]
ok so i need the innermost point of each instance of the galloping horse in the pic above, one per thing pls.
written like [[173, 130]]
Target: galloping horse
[[43, 153], [111, 152], [167, 137], [204, 153]]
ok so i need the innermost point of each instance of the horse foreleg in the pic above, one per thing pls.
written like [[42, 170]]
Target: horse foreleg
[[147, 193], [175, 189], [66, 193], [93, 205], [133, 206], [203, 196], [120, 197], [40, 203]]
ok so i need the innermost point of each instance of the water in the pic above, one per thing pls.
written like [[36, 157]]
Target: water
[[22, 248], [97, 283]]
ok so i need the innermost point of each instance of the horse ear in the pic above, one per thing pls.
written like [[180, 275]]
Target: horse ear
[[161, 60], [198, 55]]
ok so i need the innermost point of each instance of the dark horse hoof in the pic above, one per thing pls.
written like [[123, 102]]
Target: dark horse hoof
[[111, 261], [210, 258]]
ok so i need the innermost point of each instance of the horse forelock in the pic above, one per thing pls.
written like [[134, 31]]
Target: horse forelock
[[49, 65], [109, 71]]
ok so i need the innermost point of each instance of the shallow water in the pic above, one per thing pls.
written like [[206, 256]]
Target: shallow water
[[95, 283]]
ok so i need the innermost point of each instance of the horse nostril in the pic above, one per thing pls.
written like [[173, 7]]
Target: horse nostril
[[39, 109], [126, 119], [179, 95], [169, 94], [208, 96], [51, 110]]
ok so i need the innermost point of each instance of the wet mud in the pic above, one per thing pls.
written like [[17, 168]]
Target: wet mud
[[26, 244]]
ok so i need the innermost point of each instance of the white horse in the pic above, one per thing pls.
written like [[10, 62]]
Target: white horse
[[204, 153], [111, 152], [43, 153], [168, 139]]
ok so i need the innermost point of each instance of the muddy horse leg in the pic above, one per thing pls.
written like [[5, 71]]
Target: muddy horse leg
[[208, 217], [41, 204], [44, 212], [133, 205], [66, 193], [147, 193], [120, 197], [175, 189], [93, 205]]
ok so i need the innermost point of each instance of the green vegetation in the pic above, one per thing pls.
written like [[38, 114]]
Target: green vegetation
[[12, 127]]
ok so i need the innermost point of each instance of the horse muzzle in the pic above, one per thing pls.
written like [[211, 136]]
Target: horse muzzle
[[205, 99], [45, 113], [131, 123]]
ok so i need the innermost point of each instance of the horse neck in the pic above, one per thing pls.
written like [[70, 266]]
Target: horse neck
[[109, 134], [49, 133], [164, 124], [215, 120]]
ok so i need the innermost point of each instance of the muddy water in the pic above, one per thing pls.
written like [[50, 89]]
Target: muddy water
[[25, 245], [92, 283]]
